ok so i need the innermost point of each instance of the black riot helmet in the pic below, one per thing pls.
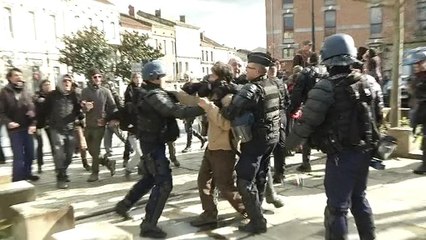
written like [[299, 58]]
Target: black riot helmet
[[338, 50]]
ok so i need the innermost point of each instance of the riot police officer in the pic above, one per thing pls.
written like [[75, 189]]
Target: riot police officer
[[306, 80], [156, 124], [418, 86], [259, 98], [334, 120]]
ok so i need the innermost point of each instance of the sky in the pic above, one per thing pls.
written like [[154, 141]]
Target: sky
[[235, 23]]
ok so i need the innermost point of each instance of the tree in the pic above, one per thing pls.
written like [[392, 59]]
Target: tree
[[133, 49], [86, 49]]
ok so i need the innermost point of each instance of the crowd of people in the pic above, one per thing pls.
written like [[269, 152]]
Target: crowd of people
[[333, 104]]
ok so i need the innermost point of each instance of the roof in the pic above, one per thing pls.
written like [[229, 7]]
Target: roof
[[211, 42], [104, 2], [182, 24], [131, 22], [156, 19]]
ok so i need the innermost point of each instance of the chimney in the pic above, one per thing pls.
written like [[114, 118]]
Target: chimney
[[131, 10], [182, 18], [158, 13]]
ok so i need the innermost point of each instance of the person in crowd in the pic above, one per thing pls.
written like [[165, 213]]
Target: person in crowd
[[190, 131], [156, 123], [373, 65], [334, 119], [40, 105], [63, 112], [308, 77], [217, 166], [302, 55], [99, 107], [17, 113], [418, 88]]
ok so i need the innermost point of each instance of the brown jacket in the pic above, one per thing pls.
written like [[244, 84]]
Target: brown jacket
[[219, 127]]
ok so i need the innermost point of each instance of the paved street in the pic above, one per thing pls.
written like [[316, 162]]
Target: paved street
[[395, 194]]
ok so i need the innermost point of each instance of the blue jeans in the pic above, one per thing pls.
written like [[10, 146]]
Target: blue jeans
[[23, 154]]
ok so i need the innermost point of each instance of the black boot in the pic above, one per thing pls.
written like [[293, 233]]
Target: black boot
[[249, 195], [151, 231], [110, 164], [422, 168], [84, 161], [122, 208]]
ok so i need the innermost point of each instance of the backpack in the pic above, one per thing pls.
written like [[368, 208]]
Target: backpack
[[331, 137]]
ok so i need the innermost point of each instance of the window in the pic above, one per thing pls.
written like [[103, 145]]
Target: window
[[202, 55], [112, 30], [288, 53], [102, 26], [90, 22], [6, 25], [52, 28], [31, 25], [329, 2], [287, 4], [288, 25], [56, 73], [421, 16], [375, 21], [180, 67], [186, 66], [329, 22], [211, 56], [207, 56], [173, 48], [165, 47]]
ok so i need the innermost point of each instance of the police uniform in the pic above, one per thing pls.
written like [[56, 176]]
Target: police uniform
[[260, 97], [331, 123], [418, 56], [156, 124]]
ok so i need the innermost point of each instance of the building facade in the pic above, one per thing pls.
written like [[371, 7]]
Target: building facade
[[212, 52], [32, 32], [289, 23], [163, 38]]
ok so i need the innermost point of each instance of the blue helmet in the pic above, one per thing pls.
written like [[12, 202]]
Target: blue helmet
[[153, 70], [415, 55], [339, 50]]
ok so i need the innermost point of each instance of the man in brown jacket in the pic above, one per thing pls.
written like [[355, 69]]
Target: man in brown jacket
[[219, 159]]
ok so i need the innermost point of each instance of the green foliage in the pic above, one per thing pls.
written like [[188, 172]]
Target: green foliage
[[87, 49], [133, 49]]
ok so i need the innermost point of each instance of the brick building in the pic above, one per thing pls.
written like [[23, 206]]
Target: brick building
[[289, 22]]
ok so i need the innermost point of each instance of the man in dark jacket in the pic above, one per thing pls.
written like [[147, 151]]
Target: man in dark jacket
[[17, 112], [62, 111], [40, 101], [304, 83], [418, 59], [157, 113]]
